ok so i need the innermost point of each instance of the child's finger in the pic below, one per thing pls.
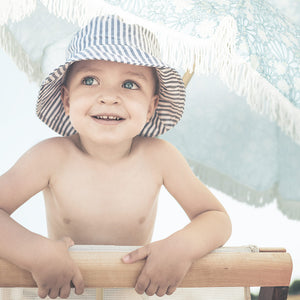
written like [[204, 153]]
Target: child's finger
[[65, 291], [142, 284], [151, 289], [161, 291], [78, 283], [136, 255], [43, 292], [171, 290], [54, 293]]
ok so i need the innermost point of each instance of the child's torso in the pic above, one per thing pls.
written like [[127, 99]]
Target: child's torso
[[103, 204]]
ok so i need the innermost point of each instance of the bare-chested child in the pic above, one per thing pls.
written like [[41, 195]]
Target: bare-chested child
[[101, 180]]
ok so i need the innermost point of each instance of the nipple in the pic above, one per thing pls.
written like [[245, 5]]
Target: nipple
[[67, 221], [142, 220]]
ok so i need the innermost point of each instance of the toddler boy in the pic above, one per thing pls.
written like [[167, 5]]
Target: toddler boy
[[102, 178]]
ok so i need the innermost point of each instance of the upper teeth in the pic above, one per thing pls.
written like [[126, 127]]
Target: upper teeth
[[108, 117]]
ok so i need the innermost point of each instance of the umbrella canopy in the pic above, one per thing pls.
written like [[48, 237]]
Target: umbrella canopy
[[248, 47]]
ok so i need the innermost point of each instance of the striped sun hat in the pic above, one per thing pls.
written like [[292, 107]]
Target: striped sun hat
[[109, 38]]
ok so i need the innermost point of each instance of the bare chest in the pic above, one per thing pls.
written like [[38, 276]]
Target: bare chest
[[103, 205]]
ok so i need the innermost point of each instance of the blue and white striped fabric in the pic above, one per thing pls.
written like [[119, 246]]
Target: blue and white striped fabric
[[109, 38]]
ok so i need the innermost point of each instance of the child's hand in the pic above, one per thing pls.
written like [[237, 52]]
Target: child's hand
[[54, 271], [165, 267]]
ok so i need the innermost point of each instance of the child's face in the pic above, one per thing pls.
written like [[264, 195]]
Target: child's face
[[109, 101]]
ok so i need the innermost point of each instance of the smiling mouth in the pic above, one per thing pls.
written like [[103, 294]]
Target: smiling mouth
[[108, 118]]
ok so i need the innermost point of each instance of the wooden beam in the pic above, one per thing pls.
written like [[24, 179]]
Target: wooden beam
[[105, 269]]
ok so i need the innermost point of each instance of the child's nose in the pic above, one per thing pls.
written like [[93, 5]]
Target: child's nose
[[108, 99]]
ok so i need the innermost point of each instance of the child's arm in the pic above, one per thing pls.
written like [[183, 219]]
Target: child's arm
[[168, 260], [47, 260]]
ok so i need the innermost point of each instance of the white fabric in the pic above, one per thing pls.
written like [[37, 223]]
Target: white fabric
[[129, 294]]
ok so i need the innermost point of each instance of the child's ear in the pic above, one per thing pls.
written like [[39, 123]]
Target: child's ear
[[152, 107], [65, 99]]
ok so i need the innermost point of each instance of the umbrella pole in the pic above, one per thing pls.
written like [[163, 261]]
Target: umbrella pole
[[188, 76]]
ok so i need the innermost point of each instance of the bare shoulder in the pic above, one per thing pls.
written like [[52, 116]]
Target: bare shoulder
[[50, 151], [56, 142], [32, 172], [154, 144], [55, 145], [159, 149]]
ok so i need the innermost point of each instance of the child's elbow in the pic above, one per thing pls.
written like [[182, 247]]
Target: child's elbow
[[227, 227]]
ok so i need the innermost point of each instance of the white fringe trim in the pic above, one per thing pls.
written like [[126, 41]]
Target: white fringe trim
[[11, 46], [229, 186], [213, 55], [15, 10], [289, 208], [243, 193], [262, 97]]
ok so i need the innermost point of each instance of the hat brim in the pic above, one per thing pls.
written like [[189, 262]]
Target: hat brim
[[171, 93]]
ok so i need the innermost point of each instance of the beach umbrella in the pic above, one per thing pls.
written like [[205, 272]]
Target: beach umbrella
[[241, 127]]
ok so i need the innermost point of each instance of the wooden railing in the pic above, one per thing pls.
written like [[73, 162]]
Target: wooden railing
[[268, 268]]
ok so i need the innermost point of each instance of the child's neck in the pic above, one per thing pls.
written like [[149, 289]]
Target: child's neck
[[106, 153]]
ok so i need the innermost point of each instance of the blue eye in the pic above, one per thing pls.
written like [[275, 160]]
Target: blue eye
[[130, 85], [89, 81]]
